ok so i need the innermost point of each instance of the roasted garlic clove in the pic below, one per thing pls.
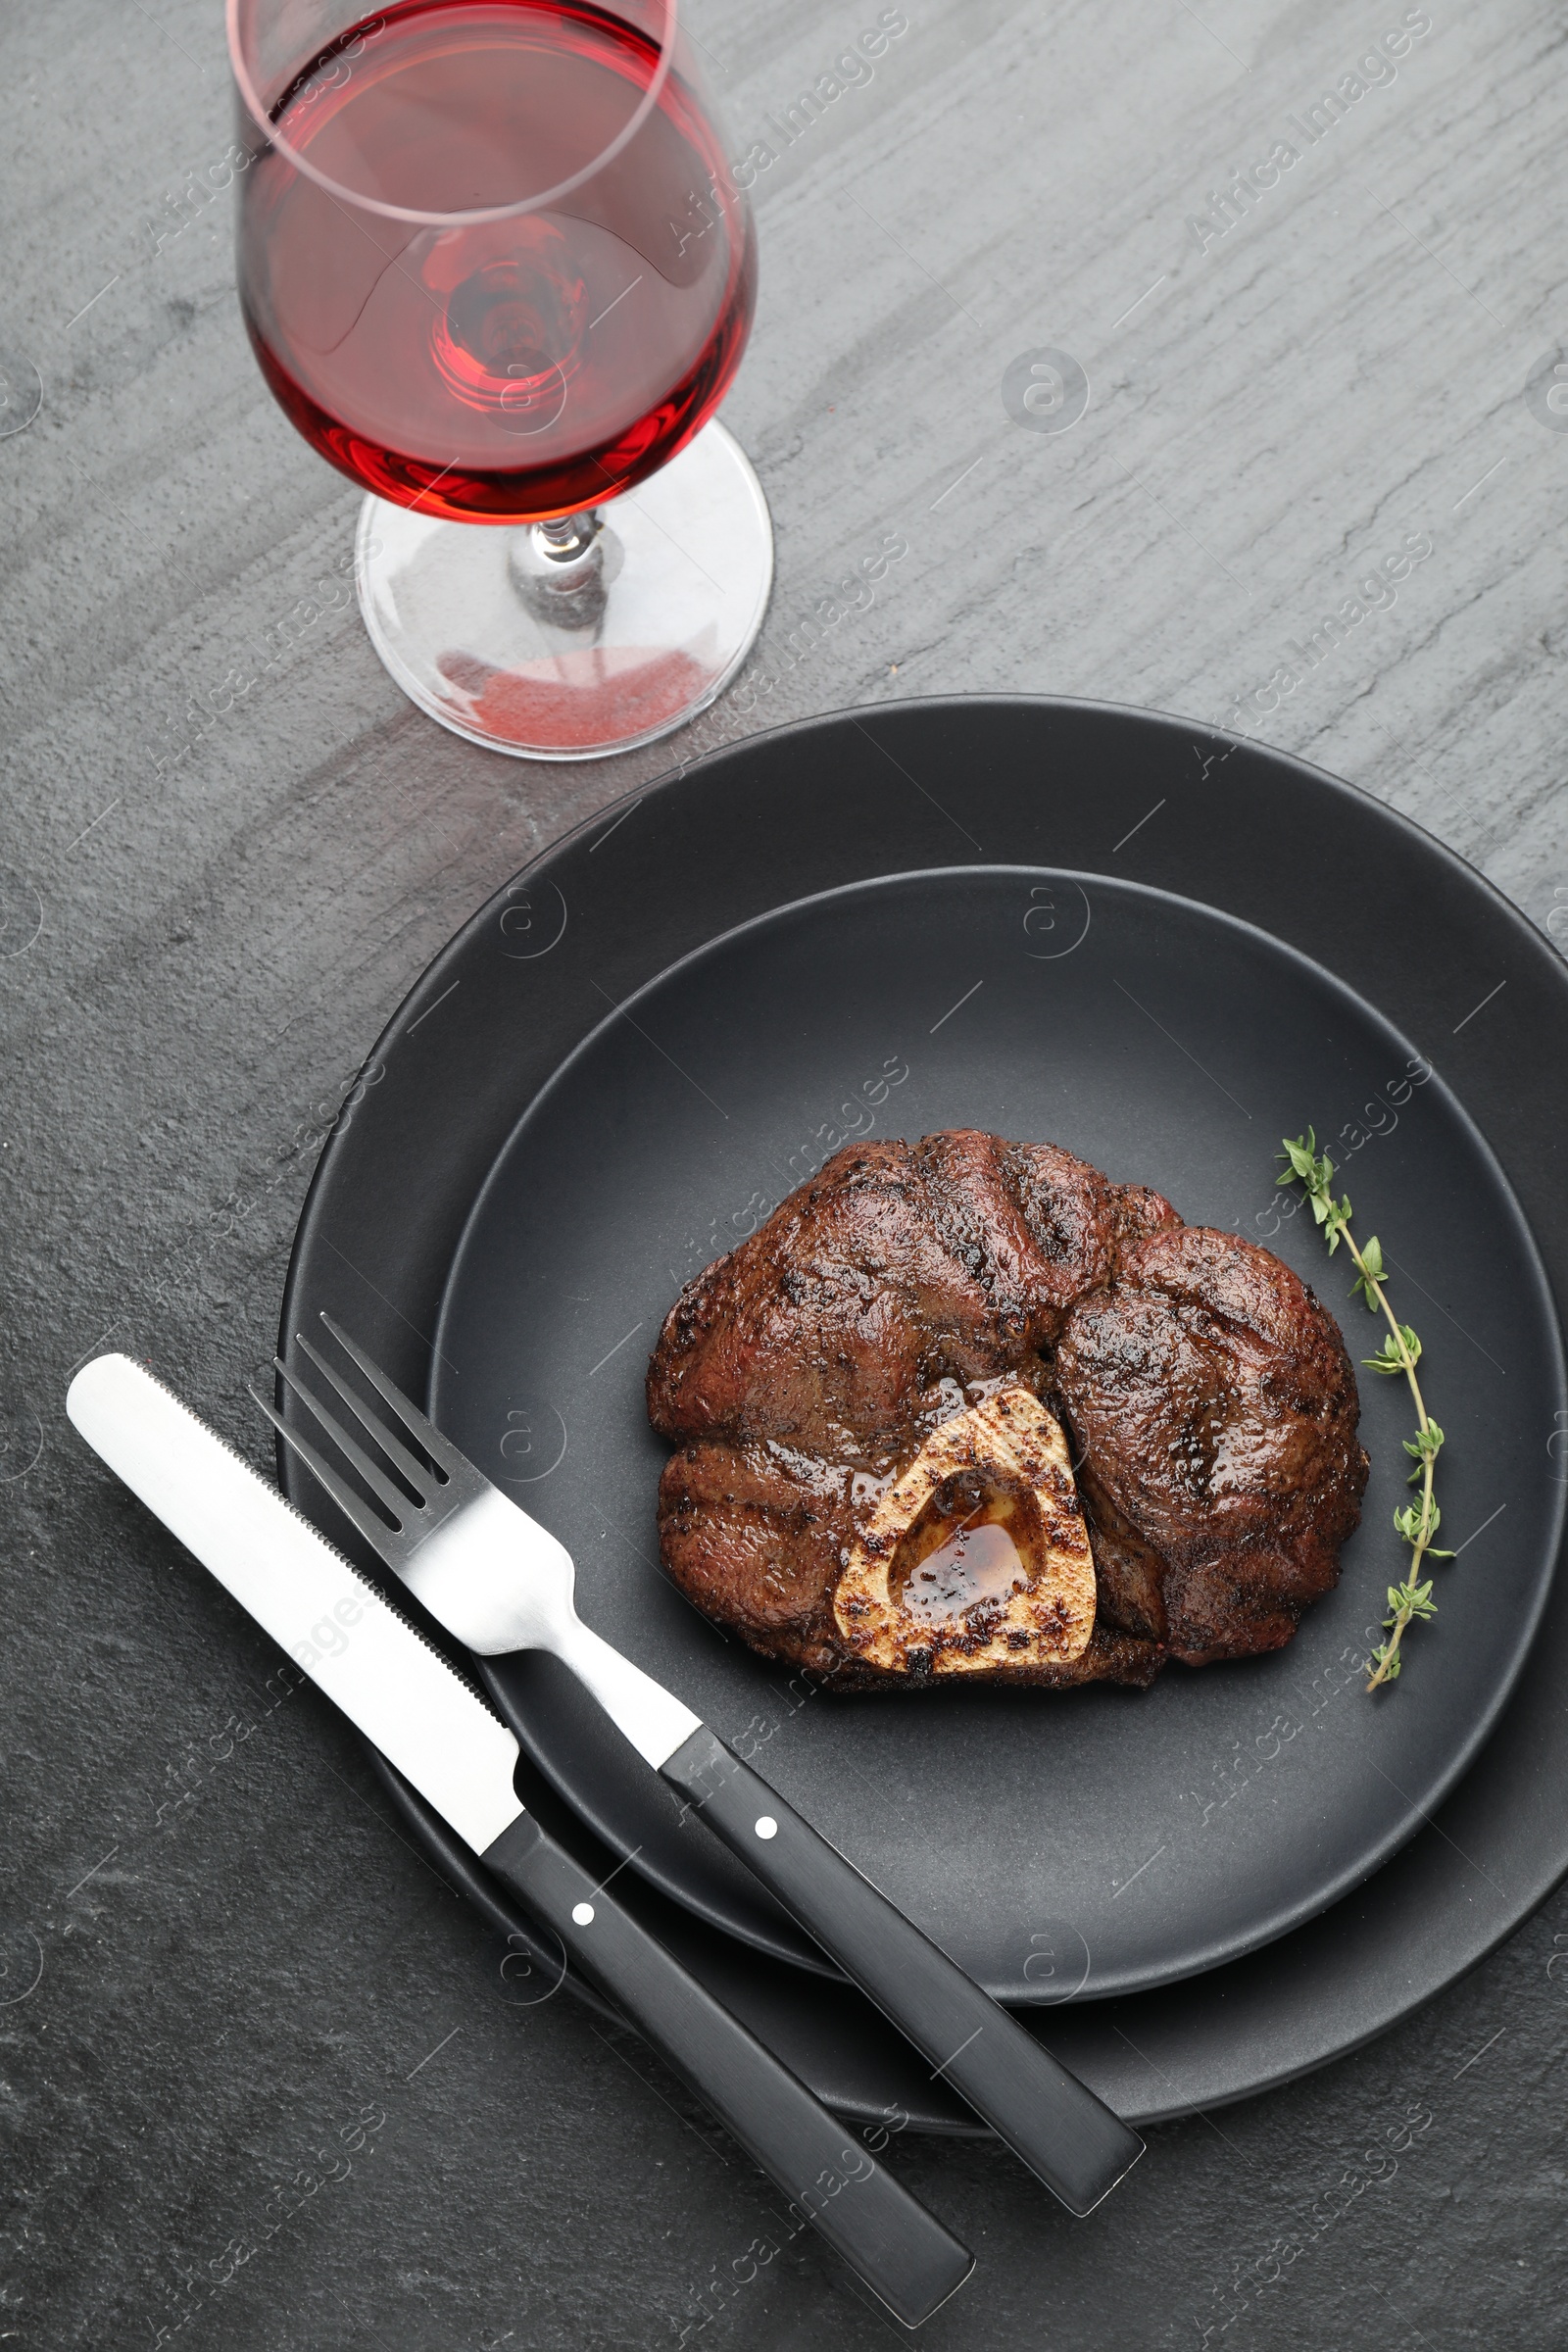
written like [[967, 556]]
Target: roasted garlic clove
[[977, 1557]]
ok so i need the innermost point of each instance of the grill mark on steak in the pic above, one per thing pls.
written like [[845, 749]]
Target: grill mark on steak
[[1208, 1401]]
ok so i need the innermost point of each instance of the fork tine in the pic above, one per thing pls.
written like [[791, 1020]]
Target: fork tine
[[440, 1450], [418, 1474], [376, 1478], [375, 1530]]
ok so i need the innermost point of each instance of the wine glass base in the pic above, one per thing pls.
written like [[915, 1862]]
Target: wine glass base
[[688, 564]]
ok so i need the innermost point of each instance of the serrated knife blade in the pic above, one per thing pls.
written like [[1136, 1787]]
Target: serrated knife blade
[[333, 1622]]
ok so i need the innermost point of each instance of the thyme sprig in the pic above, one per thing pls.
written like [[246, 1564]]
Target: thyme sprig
[[1410, 1601]]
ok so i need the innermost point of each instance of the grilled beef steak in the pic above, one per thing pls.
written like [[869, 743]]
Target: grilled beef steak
[[875, 1400]]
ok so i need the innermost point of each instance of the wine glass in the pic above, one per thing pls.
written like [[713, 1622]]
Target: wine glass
[[495, 268]]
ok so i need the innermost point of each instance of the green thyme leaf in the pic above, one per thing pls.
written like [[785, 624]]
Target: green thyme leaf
[[1370, 1275], [1409, 1601], [1300, 1154]]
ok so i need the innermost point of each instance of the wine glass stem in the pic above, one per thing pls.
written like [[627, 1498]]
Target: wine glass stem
[[558, 570], [568, 535]]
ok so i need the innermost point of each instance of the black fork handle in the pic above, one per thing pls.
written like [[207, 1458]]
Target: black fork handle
[[904, 2253], [1069, 2138]]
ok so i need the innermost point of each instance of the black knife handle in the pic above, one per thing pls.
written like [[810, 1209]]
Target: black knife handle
[[1070, 2139], [900, 2251]]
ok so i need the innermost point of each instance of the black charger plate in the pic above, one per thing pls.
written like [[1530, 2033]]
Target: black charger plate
[[1135, 1839], [1031, 784]]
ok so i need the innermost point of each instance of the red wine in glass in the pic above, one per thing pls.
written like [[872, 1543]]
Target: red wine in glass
[[495, 268]]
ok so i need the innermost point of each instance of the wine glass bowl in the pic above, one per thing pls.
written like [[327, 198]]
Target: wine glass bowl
[[495, 268]]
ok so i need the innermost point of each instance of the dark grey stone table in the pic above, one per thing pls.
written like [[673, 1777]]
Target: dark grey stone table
[[232, 1993]]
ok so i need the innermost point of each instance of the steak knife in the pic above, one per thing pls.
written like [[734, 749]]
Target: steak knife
[[500, 1582], [405, 1697]]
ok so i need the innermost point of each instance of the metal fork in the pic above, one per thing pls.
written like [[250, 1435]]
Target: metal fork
[[500, 1582], [491, 1575]]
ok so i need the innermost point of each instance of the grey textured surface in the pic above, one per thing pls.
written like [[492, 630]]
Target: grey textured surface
[[229, 846]]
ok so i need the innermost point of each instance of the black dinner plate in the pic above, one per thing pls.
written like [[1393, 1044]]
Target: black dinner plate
[[1133, 1837], [1045, 788]]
